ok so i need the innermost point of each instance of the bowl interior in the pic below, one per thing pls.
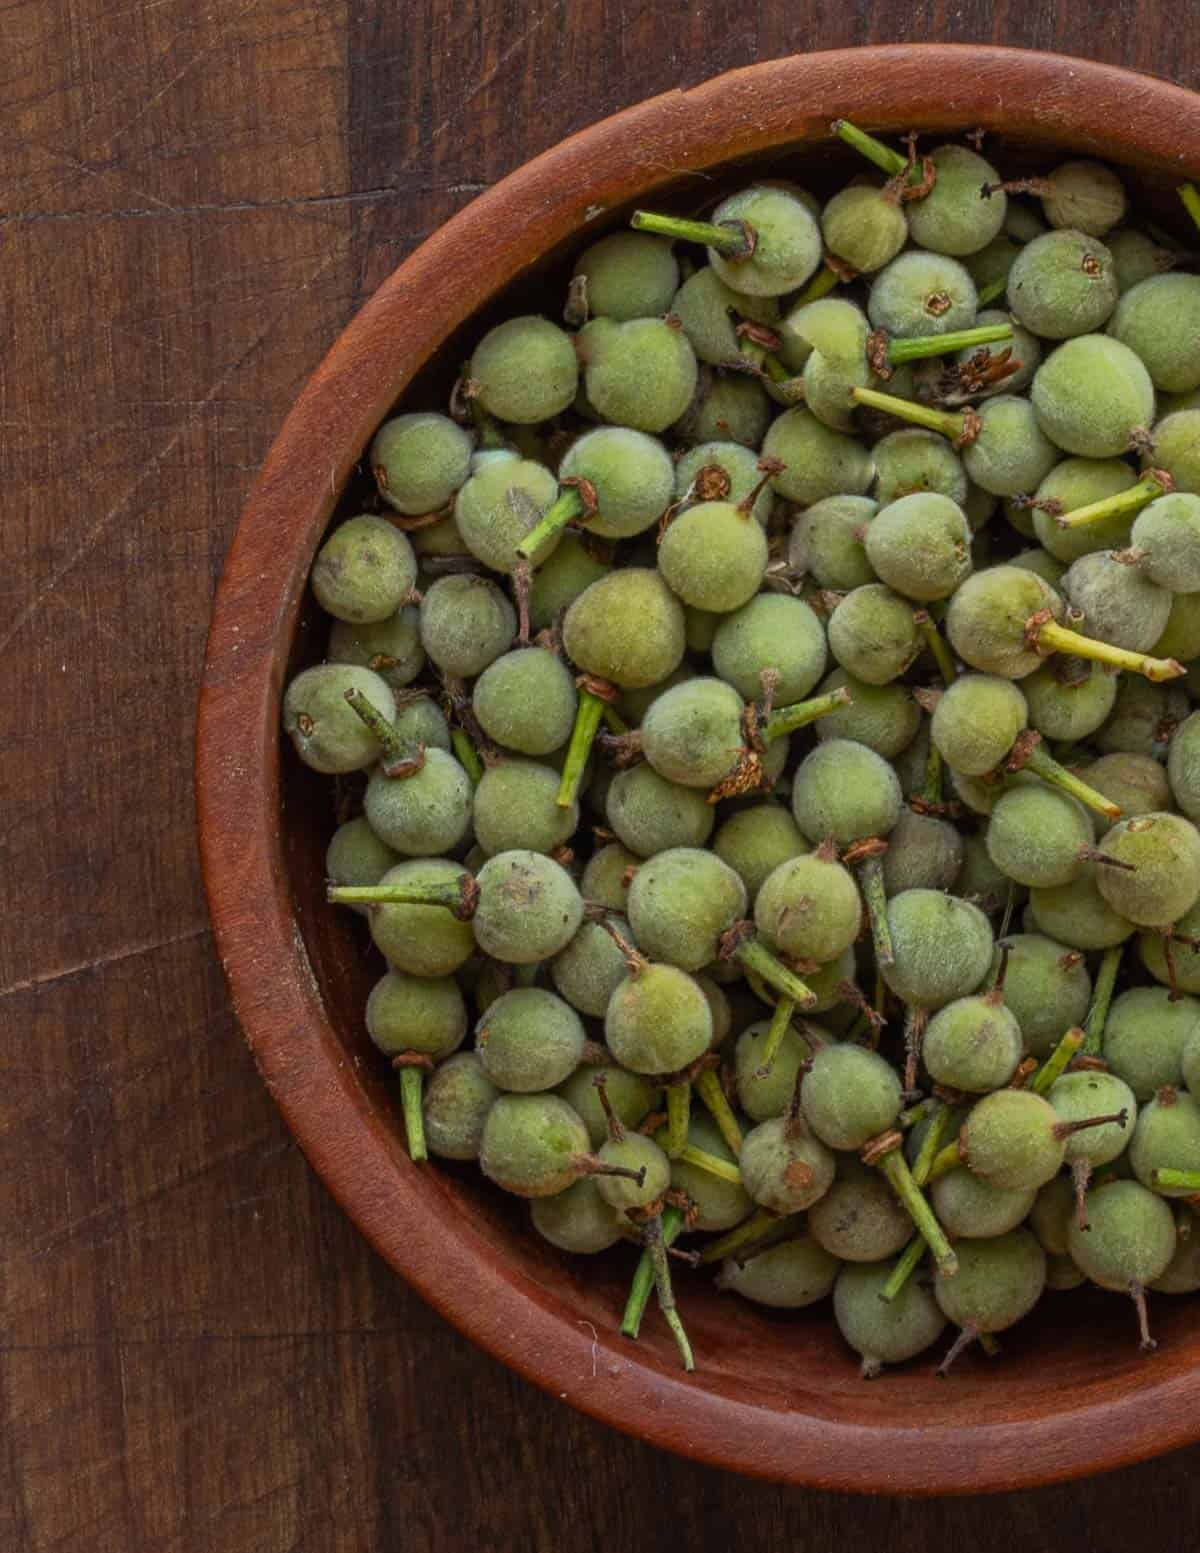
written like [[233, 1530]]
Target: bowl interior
[[1076, 1352]]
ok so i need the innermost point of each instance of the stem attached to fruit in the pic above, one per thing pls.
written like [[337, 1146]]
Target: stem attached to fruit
[[1148, 489], [1182, 1180], [1051, 638], [883, 157], [459, 895], [933, 639], [870, 878], [780, 1019], [673, 1224], [931, 1143], [411, 1086], [993, 289], [913, 1200], [758, 1226], [756, 957], [734, 239], [568, 505], [788, 718], [1048, 769], [395, 750], [911, 1258], [708, 1087], [587, 722], [468, 755], [1056, 1062], [1106, 981], [949, 423], [919, 347], [653, 1235], [679, 1102]]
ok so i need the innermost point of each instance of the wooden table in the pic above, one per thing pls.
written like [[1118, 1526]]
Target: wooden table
[[198, 1353]]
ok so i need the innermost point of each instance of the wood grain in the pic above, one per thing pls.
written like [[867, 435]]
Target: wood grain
[[198, 1349]]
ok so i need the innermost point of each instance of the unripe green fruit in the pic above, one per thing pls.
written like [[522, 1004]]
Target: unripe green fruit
[[327, 733], [977, 721], [629, 275], [466, 623], [942, 947], [1091, 394], [849, 1096], [422, 940], [827, 544], [922, 293], [914, 460], [1130, 1238], [883, 717], [680, 903], [919, 545], [419, 461], [532, 1145], [1039, 836], [632, 475], [1137, 784], [1167, 1137], [873, 635], [356, 855], [726, 407], [1062, 284], [604, 872], [458, 1096], [784, 1167], [970, 1208], [818, 462], [785, 1277], [708, 310], [1164, 882], [1159, 319], [988, 616], [692, 734], [529, 1040], [772, 631], [711, 464], [981, 883], [924, 853], [499, 507], [1177, 449], [1142, 719], [809, 908], [658, 1021], [627, 628], [589, 970], [416, 1014], [863, 226], [1084, 195], [528, 908], [1077, 1097], [391, 647], [649, 814], [1069, 710], [1053, 1209], [952, 218], [634, 1152], [973, 1044], [845, 791], [766, 1095], [525, 369], [578, 1220], [1118, 603], [640, 374], [526, 701], [859, 1219], [1046, 987], [1011, 454], [363, 570], [1168, 534], [788, 241], [1077, 914], [713, 556], [423, 814], [883, 1331], [1009, 1138], [562, 577], [998, 1281]]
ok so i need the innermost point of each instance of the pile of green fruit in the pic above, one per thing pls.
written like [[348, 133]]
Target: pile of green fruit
[[765, 708]]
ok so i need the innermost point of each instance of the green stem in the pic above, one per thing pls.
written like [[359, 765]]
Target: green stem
[[442, 892], [918, 1113], [870, 878], [730, 239], [587, 722], [394, 747], [819, 286], [1179, 1180], [933, 639], [487, 428], [931, 1143], [653, 1235], [1056, 1062], [788, 718], [1190, 196], [1102, 992], [643, 1278], [679, 1106], [1044, 765], [1059, 639], [790, 384], [780, 1020], [612, 719], [565, 508], [942, 344], [947, 422], [944, 1161], [708, 1087], [721, 1168], [993, 289], [756, 957], [911, 1259], [1147, 489], [760, 1223], [468, 756], [887, 160], [913, 1200], [414, 1122]]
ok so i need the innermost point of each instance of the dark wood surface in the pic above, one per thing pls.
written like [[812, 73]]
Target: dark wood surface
[[197, 1351]]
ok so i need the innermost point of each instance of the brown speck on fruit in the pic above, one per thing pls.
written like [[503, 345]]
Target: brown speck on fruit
[[938, 302], [1091, 266]]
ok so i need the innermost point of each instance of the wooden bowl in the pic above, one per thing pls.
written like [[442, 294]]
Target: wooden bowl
[[774, 1396]]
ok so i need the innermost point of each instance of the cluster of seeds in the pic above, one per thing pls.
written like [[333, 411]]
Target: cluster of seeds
[[762, 715]]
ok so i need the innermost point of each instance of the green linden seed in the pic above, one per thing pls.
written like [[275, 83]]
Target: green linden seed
[[1069, 709], [1047, 989], [525, 369], [363, 570], [849, 1095], [884, 1331], [942, 946], [578, 1220], [528, 908], [1038, 836], [1158, 319], [649, 814], [919, 545], [658, 1021], [1177, 449], [708, 310], [883, 717], [725, 407], [631, 1096], [419, 461], [912, 460], [466, 623], [952, 218], [633, 477], [1077, 914], [499, 506], [818, 461], [516, 808], [998, 1281], [788, 1276], [529, 1040], [737, 464], [773, 631], [421, 940], [627, 628], [809, 908], [845, 791], [1118, 603], [356, 855], [680, 903], [922, 293], [526, 701], [713, 556], [977, 721], [1062, 284], [392, 647], [788, 241], [1011, 453], [693, 734], [423, 814], [419, 1014], [576, 563], [458, 1096], [1146, 1034], [827, 539], [865, 227], [640, 374], [873, 634], [327, 733], [532, 1145], [1164, 882], [1091, 394], [628, 275], [756, 840], [1136, 783], [1168, 534], [973, 1044], [967, 1207], [859, 1219]]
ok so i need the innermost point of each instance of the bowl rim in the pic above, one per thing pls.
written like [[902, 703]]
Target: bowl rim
[[1068, 102]]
